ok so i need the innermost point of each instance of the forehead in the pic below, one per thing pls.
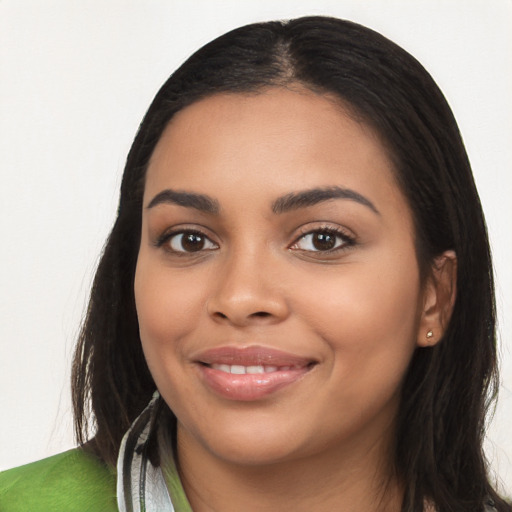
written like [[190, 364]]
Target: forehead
[[278, 140], [278, 114]]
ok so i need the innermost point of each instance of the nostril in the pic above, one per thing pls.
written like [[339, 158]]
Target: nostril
[[239, 318]]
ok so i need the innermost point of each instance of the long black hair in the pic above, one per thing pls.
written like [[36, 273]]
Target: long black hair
[[448, 388]]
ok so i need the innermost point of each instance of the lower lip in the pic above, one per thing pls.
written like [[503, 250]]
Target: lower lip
[[249, 387]]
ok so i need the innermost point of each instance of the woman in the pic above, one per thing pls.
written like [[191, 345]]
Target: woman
[[290, 269]]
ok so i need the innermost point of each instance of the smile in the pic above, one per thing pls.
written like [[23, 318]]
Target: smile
[[250, 374]]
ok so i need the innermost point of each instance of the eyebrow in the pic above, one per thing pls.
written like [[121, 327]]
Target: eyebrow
[[289, 202], [200, 202], [306, 198]]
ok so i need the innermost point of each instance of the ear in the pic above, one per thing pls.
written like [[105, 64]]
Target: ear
[[440, 291]]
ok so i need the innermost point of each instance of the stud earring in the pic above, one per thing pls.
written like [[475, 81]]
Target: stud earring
[[430, 334]]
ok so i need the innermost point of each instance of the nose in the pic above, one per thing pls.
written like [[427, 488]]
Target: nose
[[248, 291]]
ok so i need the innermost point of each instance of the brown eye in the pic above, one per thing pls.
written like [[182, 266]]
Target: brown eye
[[322, 241], [190, 241]]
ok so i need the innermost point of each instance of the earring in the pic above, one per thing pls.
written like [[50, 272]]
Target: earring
[[430, 334]]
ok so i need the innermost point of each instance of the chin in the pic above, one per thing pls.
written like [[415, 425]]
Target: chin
[[250, 444], [257, 455]]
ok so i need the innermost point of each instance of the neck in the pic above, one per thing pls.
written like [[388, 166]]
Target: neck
[[349, 479]]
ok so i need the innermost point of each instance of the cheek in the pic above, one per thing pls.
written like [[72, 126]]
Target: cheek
[[378, 299], [368, 315], [368, 322], [168, 307]]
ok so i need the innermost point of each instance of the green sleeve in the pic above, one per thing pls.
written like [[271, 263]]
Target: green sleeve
[[73, 481]]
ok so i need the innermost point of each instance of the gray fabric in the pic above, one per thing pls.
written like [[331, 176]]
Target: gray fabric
[[140, 486]]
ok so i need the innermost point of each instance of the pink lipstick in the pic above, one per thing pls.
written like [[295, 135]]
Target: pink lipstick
[[251, 373]]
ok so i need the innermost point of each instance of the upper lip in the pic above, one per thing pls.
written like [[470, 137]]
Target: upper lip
[[252, 356]]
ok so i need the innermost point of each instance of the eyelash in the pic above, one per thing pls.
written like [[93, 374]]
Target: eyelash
[[338, 234], [167, 238]]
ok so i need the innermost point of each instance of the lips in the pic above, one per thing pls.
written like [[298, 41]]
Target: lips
[[251, 373]]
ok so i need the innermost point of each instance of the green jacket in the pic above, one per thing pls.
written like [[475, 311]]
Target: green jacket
[[73, 481]]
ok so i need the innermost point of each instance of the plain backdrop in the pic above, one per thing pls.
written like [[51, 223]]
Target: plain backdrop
[[75, 80]]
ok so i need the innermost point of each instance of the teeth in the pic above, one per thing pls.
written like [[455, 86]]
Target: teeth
[[255, 369], [242, 370]]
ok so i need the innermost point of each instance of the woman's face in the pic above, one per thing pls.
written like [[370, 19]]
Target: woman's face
[[277, 285]]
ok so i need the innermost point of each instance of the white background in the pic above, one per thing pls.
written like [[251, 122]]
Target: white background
[[75, 80]]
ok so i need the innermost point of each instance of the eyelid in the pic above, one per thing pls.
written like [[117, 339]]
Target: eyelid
[[348, 239], [174, 231]]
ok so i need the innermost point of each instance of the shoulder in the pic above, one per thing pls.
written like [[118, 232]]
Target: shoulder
[[73, 481]]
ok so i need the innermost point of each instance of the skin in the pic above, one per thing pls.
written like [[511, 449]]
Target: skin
[[359, 312]]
